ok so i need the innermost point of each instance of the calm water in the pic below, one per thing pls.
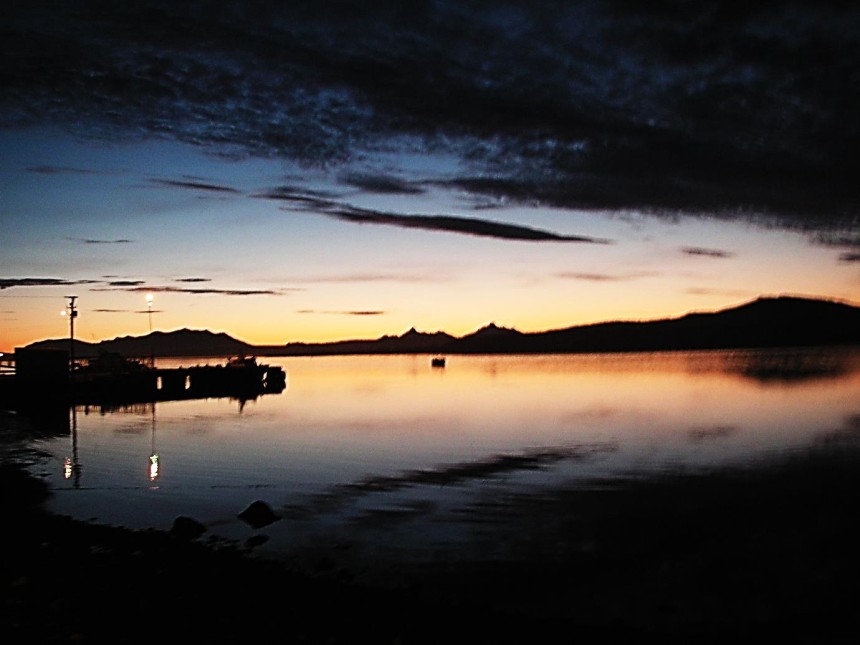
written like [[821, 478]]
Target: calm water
[[386, 454]]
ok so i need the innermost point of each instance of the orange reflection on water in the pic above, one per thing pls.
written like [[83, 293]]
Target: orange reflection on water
[[401, 404]]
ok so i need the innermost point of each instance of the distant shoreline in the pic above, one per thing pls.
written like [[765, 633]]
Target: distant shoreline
[[763, 323]]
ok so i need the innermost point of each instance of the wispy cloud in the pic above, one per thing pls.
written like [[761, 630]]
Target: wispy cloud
[[708, 291], [312, 202], [85, 240], [845, 239], [602, 277], [128, 311], [711, 253], [196, 291], [60, 170], [591, 277], [359, 277], [195, 185], [193, 280], [8, 283], [849, 257], [359, 312], [125, 283], [381, 184], [439, 223], [462, 225], [293, 193]]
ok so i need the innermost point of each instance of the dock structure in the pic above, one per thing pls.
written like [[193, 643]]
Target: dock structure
[[44, 375]]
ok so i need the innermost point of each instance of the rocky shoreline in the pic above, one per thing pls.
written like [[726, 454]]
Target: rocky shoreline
[[758, 553]]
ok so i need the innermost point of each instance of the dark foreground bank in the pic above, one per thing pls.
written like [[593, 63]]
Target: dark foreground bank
[[730, 556]]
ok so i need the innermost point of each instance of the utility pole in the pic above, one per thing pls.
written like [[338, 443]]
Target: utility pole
[[73, 313], [151, 346]]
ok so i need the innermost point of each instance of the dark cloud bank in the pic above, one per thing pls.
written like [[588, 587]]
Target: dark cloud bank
[[744, 110]]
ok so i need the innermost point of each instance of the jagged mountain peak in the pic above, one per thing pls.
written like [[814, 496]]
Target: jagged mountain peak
[[494, 329]]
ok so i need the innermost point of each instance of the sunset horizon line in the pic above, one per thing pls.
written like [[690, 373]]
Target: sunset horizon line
[[491, 323]]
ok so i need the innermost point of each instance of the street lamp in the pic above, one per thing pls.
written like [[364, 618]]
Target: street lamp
[[73, 313], [149, 309], [149, 314]]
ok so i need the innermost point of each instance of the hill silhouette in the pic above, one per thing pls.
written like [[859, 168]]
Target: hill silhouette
[[782, 321]]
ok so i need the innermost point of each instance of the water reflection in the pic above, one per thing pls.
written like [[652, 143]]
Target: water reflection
[[409, 453], [153, 456], [72, 465]]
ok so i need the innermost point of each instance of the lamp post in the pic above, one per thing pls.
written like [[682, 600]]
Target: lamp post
[[149, 310], [73, 313], [149, 314]]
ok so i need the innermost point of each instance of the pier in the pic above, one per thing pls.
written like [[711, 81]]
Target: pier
[[49, 376]]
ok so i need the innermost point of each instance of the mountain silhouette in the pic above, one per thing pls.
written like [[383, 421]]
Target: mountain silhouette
[[179, 343], [782, 321]]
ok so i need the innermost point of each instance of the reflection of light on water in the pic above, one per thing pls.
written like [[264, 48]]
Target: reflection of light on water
[[352, 417], [71, 466], [153, 456]]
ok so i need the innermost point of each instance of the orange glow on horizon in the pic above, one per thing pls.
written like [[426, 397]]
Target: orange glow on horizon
[[267, 322]]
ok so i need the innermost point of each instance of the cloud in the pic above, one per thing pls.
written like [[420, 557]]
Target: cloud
[[7, 283], [380, 184], [195, 291], [592, 277], [849, 257], [742, 111], [192, 280], [126, 283], [440, 223], [59, 170], [603, 277], [290, 192], [195, 185], [369, 277], [838, 239], [454, 224], [707, 291], [711, 253], [342, 313], [306, 201], [95, 241], [128, 311]]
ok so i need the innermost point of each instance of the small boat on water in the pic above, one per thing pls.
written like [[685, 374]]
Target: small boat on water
[[437, 361]]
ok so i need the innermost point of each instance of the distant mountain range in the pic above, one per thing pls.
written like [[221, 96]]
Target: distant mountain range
[[766, 322]]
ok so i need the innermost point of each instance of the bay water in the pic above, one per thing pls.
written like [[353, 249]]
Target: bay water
[[388, 456]]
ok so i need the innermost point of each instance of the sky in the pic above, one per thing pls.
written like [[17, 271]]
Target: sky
[[326, 171]]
